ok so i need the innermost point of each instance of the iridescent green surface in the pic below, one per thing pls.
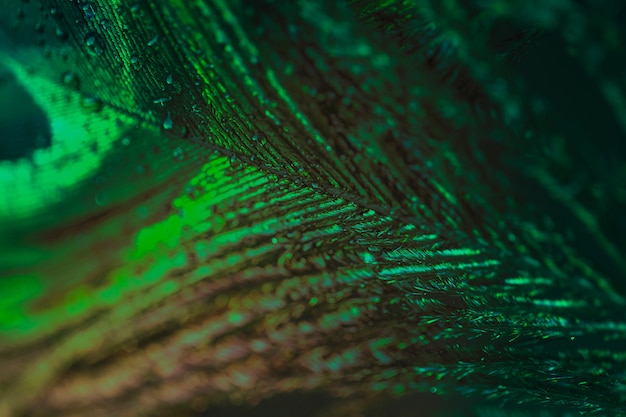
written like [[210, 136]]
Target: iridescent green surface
[[205, 205]]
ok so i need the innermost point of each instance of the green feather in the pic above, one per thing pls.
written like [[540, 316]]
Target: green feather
[[380, 204]]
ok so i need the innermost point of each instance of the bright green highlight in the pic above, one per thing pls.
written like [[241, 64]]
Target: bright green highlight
[[77, 124]]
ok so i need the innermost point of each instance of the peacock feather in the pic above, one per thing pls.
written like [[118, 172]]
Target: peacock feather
[[338, 208]]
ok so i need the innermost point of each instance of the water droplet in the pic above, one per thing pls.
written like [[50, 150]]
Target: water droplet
[[134, 59], [93, 44], [60, 33], [90, 40], [125, 141], [169, 79], [259, 138], [70, 79], [168, 123], [153, 41], [178, 154], [91, 103], [89, 10]]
